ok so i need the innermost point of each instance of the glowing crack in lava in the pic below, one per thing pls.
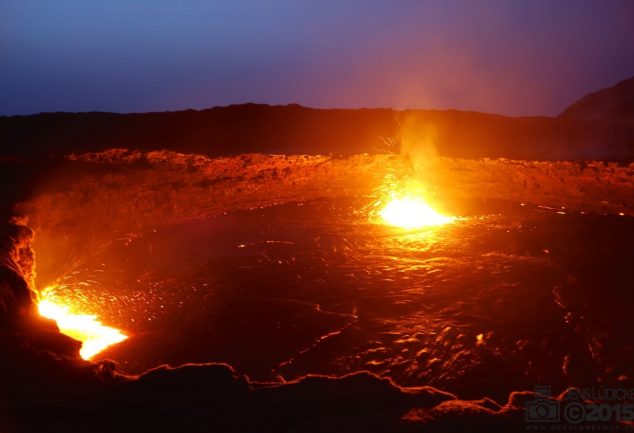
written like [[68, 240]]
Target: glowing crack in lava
[[412, 213], [94, 335]]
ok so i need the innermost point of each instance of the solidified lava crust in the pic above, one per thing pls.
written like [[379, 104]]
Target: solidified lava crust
[[46, 387]]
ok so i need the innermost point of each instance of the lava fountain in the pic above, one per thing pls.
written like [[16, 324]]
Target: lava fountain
[[412, 213], [403, 204], [94, 335]]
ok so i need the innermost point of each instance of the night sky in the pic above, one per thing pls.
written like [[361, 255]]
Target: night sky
[[530, 57]]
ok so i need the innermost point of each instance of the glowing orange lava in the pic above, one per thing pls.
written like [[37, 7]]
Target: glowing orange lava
[[412, 213], [401, 202], [94, 335]]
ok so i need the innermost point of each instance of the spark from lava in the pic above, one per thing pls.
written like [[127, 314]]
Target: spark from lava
[[94, 335]]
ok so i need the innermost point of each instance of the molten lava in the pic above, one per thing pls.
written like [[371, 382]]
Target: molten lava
[[401, 202], [94, 335], [412, 213]]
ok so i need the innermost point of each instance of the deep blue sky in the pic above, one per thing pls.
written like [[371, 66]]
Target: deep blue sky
[[530, 57]]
